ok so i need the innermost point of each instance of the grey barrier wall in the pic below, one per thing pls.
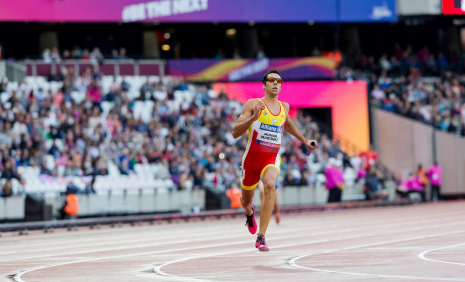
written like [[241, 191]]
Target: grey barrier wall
[[2, 69], [96, 205], [12, 208], [400, 142], [403, 143], [184, 201], [451, 156]]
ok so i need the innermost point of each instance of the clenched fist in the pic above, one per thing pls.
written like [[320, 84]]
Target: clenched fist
[[258, 109]]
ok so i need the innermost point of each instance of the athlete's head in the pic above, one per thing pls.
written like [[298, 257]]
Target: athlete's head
[[272, 82]]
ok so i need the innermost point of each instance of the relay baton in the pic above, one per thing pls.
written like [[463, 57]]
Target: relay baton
[[308, 150]]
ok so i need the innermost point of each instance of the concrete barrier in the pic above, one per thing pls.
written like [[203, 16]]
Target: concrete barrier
[[147, 202], [12, 208], [313, 195], [183, 201]]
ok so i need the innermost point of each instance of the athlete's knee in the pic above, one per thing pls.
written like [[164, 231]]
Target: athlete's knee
[[246, 202], [269, 186]]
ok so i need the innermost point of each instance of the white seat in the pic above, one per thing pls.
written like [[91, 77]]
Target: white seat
[[78, 97], [349, 174], [147, 111], [59, 144], [178, 95], [107, 107], [50, 162], [154, 78], [168, 183], [61, 170], [113, 169], [4, 97], [321, 178]]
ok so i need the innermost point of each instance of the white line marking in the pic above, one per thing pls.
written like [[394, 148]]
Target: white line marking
[[158, 268], [292, 261], [422, 255], [17, 277], [231, 236]]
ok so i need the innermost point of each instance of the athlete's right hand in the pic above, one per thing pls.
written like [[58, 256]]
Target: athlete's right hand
[[258, 109]]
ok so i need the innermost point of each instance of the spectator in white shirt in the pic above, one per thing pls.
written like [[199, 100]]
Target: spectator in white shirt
[[377, 93]]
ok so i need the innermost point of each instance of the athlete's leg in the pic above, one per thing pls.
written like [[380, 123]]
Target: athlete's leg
[[269, 177], [246, 200], [260, 187], [276, 203]]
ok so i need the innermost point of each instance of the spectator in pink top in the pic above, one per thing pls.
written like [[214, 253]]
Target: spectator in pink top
[[94, 93], [334, 180], [414, 185], [435, 177]]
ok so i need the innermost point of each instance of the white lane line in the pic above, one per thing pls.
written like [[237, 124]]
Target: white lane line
[[158, 268], [422, 255], [372, 212], [292, 261], [17, 277], [233, 235]]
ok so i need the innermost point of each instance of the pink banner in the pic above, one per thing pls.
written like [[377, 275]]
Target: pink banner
[[348, 102]]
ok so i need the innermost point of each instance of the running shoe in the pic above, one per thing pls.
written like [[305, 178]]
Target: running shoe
[[251, 223], [278, 218], [261, 244]]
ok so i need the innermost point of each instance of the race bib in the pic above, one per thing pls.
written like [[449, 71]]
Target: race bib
[[269, 135], [242, 172], [435, 176]]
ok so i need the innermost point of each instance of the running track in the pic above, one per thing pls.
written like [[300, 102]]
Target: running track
[[406, 243]]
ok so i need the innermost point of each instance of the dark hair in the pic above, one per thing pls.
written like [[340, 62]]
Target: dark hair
[[266, 75]]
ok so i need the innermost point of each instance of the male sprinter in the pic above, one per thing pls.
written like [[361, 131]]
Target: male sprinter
[[264, 120]]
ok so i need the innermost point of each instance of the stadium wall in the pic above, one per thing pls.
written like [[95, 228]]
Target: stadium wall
[[403, 143]]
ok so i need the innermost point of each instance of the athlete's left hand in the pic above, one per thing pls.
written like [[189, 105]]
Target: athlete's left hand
[[310, 147]]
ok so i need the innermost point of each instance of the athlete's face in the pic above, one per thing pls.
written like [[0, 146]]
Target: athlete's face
[[272, 87]]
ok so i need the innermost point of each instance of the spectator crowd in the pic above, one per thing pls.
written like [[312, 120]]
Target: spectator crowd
[[191, 143], [423, 86]]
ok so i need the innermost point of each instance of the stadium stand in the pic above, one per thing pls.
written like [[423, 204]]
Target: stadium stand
[[132, 133]]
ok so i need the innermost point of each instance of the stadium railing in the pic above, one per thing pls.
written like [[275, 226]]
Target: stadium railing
[[109, 67]]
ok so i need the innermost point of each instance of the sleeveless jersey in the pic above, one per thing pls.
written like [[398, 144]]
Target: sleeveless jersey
[[266, 132]]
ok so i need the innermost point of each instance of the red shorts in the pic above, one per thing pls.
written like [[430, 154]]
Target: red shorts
[[254, 165]]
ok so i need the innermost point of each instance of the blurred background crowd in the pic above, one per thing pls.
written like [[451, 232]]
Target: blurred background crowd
[[191, 141]]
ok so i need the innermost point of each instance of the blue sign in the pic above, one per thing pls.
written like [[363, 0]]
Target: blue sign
[[367, 11]]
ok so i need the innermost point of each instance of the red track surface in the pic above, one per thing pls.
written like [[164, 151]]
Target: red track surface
[[416, 243]]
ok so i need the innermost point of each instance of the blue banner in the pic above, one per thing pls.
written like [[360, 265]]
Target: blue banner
[[367, 11]]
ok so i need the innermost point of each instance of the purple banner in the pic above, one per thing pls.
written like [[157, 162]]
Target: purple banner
[[243, 70], [168, 10], [197, 10]]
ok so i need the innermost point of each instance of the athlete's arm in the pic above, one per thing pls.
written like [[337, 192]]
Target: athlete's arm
[[250, 113], [290, 127]]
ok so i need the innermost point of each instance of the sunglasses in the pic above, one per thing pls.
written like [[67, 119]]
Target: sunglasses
[[272, 80]]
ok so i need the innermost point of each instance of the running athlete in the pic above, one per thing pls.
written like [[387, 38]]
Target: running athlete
[[264, 120]]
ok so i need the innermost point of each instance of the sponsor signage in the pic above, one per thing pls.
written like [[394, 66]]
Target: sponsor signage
[[197, 10], [272, 128], [368, 10], [253, 69]]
